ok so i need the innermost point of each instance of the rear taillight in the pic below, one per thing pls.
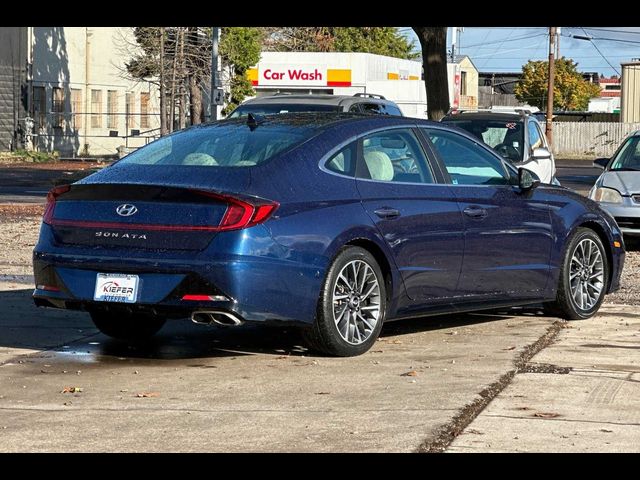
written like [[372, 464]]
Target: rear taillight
[[53, 194], [243, 213]]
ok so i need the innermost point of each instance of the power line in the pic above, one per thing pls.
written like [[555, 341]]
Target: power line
[[502, 40], [601, 54]]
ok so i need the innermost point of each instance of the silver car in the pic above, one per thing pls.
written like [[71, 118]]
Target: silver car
[[617, 189]]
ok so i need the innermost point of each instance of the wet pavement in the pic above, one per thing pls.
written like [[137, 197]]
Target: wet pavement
[[195, 388]]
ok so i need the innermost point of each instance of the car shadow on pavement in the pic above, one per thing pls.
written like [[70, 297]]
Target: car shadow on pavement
[[68, 334]]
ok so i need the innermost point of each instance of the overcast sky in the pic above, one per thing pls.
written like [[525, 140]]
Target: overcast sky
[[503, 49]]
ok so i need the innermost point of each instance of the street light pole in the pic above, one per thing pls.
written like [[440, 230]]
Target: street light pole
[[552, 71]]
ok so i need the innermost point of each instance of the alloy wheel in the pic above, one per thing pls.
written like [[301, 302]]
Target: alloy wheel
[[586, 274], [356, 302]]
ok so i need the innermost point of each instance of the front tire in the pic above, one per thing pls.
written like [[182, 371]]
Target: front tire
[[351, 307], [584, 277], [132, 327]]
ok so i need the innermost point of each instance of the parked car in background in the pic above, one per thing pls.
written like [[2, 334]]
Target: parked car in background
[[333, 222], [514, 133], [289, 103], [617, 189]]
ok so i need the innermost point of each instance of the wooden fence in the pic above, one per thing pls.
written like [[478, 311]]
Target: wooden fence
[[589, 139]]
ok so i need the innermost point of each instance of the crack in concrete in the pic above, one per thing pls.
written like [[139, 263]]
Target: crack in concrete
[[445, 434], [569, 420]]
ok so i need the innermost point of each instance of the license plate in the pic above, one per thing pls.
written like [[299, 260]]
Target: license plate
[[115, 287]]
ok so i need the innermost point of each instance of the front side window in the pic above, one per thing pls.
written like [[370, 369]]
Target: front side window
[[394, 156], [628, 158], [467, 162], [535, 140], [230, 145], [505, 136]]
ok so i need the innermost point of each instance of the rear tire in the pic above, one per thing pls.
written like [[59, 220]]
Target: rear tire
[[351, 307], [131, 327], [584, 277]]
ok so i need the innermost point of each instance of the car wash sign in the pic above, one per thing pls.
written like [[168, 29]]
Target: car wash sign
[[299, 75]]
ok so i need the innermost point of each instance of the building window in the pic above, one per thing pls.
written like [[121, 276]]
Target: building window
[[112, 109], [39, 107], [96, 108], [463, 83], [131, 98], [76, 108], [612, 87], [144, 110], [57, 107]]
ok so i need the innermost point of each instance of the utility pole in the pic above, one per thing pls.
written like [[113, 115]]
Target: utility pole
[[215, 81], [552, 71], [558, 32], [454, 41], [163, 105]]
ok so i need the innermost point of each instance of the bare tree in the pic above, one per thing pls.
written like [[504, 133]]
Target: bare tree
[[433, 41]]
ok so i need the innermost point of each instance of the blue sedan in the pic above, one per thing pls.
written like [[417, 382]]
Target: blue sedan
[[332, 222]]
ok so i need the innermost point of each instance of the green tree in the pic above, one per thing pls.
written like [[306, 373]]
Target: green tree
[[570, 90], [379, 40], [240, 49]]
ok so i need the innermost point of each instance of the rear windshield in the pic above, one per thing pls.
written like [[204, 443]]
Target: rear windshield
[[230, 145], [271, 108]]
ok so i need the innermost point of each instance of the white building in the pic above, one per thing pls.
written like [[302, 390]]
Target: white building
[[78, 96], [342, 74]]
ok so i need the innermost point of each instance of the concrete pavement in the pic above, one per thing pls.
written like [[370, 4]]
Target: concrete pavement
[[195, 388], [581, 394]]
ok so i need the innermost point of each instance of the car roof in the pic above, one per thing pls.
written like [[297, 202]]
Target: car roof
[[321, 99], [326, 120]]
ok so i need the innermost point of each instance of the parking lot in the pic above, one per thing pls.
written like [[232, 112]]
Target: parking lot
[[559, 386]]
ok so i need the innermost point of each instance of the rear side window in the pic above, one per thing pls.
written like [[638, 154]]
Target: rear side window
[[394, 156], [231, 145], [393, 110], [343, 162]]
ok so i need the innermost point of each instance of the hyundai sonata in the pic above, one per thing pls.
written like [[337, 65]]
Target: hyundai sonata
[[332, 222]]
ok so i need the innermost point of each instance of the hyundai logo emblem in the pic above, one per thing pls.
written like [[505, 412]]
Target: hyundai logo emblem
[[126, 210]]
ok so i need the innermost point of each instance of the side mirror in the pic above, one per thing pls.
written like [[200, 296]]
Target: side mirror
[[601, 163], [527, 180], [541, 153]]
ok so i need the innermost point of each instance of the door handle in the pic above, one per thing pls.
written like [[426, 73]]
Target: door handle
[[475, 212], [386, 212]]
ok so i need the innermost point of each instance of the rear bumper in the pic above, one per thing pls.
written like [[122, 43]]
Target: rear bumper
[[256, 276]]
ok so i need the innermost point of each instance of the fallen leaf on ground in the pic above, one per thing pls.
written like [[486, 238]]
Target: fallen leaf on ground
[[606, 431], [411, 373], [397, 341], [509, 348], [523, 408], [474, 431], [71, 390], [546, 414], [147, 394], [323, 393]]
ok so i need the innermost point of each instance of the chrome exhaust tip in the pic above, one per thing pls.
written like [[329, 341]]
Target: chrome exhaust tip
[[216, 317]]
